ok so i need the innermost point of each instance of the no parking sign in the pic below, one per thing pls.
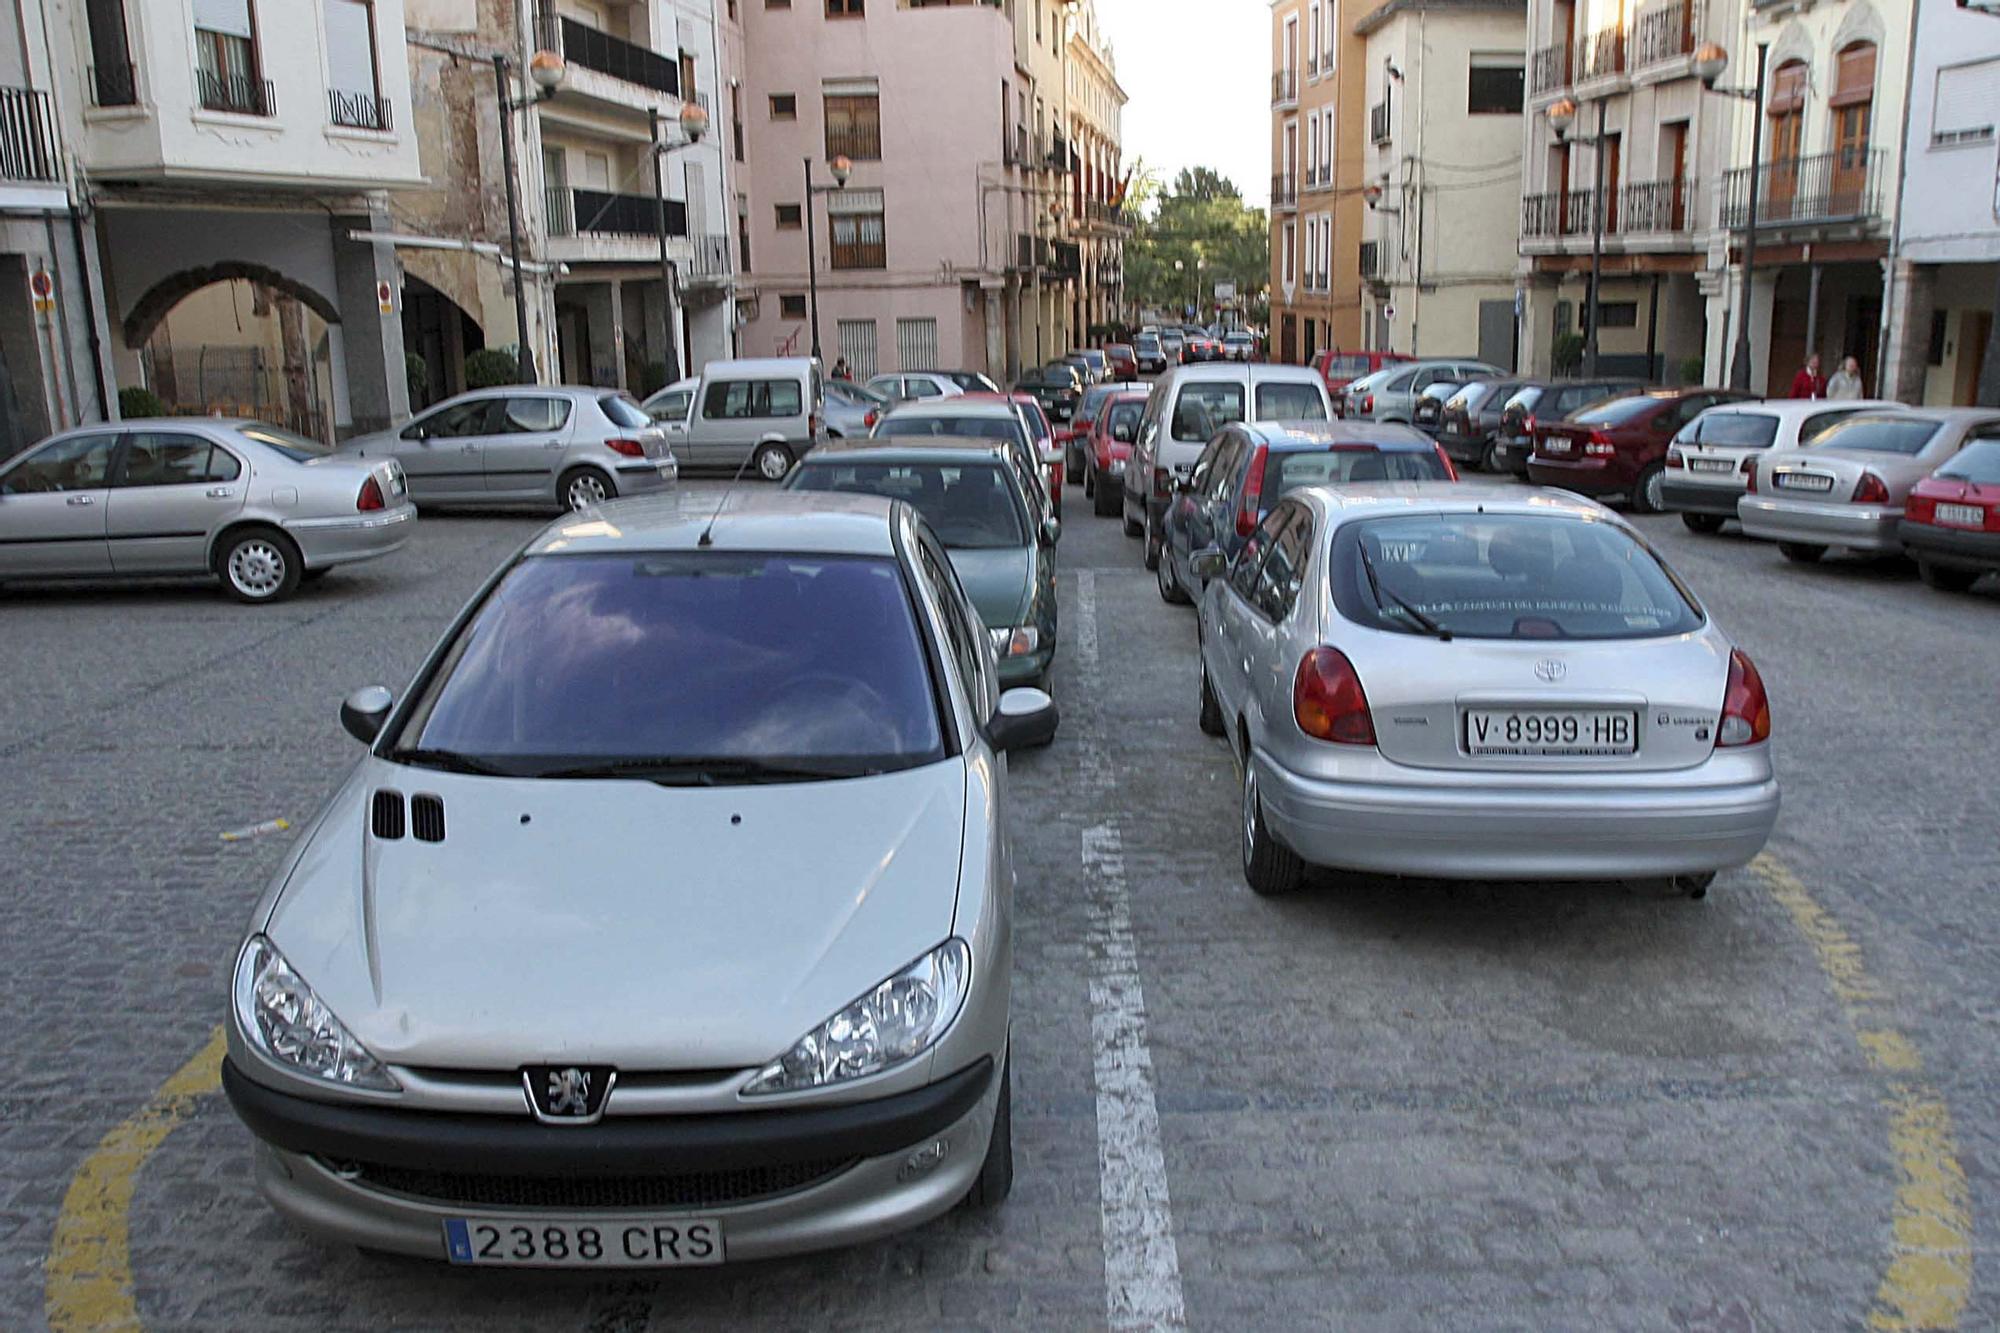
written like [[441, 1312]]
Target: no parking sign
[[42, 288]]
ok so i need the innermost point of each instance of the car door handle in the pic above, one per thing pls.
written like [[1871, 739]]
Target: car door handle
[[220, 492], [80, 500], [468, 448], [552, 444]]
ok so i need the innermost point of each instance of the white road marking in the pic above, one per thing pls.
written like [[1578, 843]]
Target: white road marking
[[1142, 1272]]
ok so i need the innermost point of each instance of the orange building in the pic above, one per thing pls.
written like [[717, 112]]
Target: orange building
[[1318, 143]]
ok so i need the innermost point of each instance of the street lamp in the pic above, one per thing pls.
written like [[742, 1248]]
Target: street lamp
[[694, 124], [1561, 117], [547, 70], [840, 168], [1709, 62]]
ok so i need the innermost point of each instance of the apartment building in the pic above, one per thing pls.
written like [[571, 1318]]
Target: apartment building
[[1444, 83], [1094, 109], [1319, 234]]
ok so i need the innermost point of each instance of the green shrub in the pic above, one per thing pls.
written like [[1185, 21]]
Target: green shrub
[[490, 367], [1567, 353], [136, 401], [417, 374]]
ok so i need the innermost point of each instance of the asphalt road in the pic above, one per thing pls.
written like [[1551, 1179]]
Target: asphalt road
[[1376, 1104]]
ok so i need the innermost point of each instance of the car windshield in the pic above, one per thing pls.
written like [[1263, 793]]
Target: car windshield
[[901, 425], [291, 444], [1205, 408], [855, 395], [970, 505], [1736, 430], [1126, 414], [1290, 402], [1505, 576], [1617, 412], [1146, 342], [1289, 471], [684, 666], [1978, 463], [1880, 435], [622, 411], [1351, 366]]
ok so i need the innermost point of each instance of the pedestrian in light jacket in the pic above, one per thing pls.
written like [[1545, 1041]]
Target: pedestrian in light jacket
[[1846, 382]]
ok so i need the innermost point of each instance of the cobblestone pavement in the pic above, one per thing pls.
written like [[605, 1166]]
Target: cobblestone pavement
[[1379, 1104]]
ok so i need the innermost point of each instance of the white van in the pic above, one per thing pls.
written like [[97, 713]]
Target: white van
[[770, 411]]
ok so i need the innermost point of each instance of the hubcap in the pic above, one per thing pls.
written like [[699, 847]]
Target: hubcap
[[585, 491], [256, 568], [1249, 811], [773, 465], [1656, 492]]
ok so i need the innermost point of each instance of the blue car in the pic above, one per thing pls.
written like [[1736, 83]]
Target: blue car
[[1247, 467]]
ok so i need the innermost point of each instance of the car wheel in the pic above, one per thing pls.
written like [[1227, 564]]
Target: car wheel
[[260, 565], [1694, 885], [996, 1174], [1489, 457], [1210, 716], [1271, 868], [1105, 500], [1710, 523], [1649, 493], [1171, 591], [1804, 553], [1090, 483], [1132, 528], [773, 461], [1152, 551], [583, 487], [1945, 578]]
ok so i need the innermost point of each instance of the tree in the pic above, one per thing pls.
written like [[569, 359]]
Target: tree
[[1202, 222]]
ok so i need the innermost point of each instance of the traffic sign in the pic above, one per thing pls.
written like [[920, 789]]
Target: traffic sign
[[42, 288], [385, 297], [1389, 313]]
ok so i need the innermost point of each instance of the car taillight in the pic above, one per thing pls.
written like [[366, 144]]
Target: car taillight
[[1870, 490], [1599, 445], [1328, 702], [628, 448], [1674, 459], [1367, 402], [1253, 493], [1450, 468], [370, 497], [1746, 709], [812, 423], [869, 421], [1749, 477], [1748, 467], [1919, 508], [1160, 480]]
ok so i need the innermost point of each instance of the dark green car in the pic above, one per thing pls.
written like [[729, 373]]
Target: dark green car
[[975, 499]]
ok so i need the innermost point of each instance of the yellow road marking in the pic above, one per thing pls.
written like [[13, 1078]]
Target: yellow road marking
[[1929, 1278], [88, 1280]]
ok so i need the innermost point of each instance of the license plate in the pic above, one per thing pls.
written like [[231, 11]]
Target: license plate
[[522, 1242], [1803, 481], [1710, 465], [1551, 731], [1962, 516], [1555, 446]]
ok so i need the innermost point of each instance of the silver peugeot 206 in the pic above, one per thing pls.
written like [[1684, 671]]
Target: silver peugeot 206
[[667, 919], [1476, 683]]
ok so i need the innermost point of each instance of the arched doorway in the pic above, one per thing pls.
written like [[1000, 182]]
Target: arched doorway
[[223, 342], [438, 333]]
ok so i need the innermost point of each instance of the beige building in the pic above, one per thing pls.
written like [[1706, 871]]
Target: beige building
[[1094, 108], [1444, 85], [1319, 231]]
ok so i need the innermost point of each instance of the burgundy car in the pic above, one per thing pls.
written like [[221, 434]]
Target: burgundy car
[[1110, 447], [1619, 447], [1951, 519], [1123, 361]]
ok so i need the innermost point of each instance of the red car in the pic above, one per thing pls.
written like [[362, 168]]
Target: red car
[[1339, 369], [1111, 436], [1951, 520], [1122, 361], [1619, 447], [1041, 436]]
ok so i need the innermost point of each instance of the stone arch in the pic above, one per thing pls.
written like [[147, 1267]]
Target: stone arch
[[1859, 24], [168, 292], [1794, 42]]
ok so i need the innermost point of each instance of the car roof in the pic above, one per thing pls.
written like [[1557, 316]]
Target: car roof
[[1291, 435], [908, 448], [742, 519], [766, 365], [983, 405], [1787, 408], [1347, 502], [1242, 372]]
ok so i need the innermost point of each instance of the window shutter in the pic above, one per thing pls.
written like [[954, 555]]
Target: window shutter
[[1968, 100], [1855, 79], [1787, 91]]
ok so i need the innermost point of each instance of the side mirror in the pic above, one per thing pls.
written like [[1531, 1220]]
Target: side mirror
[[364, 711], [1051, 530], [1025, 719], [1208, 563]]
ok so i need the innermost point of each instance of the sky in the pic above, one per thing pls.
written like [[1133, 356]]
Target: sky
[[1198, 76]]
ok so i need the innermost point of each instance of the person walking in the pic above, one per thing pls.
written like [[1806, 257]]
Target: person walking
[[1846, 382], [840, 370], [1809, 383]]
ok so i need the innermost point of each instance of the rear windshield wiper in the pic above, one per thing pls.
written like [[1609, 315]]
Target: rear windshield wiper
[[451, 761], [711, 771], [1429, 626]]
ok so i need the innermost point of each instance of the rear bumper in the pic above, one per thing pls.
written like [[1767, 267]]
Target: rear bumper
[[324, 542], [1695, 498], [1511, 452], [1585, 476], [1462, 448], [1522, 831], [1951, 546], [645, 477], [1817, 523]]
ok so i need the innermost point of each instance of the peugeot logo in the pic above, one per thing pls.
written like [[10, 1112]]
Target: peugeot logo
[[1550, 669], [568, 1094]]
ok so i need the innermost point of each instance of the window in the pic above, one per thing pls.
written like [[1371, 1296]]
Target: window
[[736, 124], [454, 422], [854, 125], [855, 219], [671, 405], [158, 458], [971, 506], [916, 343], [1204, 408], [1737, 430], [1284, 570], [742, 233], [790, 217], [112, 80], [855, 339], [784, 106], [777, 4], [1881, 434], [1290, 402], [792, 305], [1617, 314], [1968, 99], [353, 93], [1290, 270], [728, 400], [80, 463], [1493, 87], [226, 72], [845, 9], [533, 416]]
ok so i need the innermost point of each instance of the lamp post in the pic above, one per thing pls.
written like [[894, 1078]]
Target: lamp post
[[1709, 62], [1561, 116], [694, 124], [840, 168], [547, 70]]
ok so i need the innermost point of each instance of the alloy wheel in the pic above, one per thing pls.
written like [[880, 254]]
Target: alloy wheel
[[257, 568], [585, 489]]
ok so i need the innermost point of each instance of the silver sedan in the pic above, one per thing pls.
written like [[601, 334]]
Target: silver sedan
[[255, 505], [668, 920], [1474, 683]]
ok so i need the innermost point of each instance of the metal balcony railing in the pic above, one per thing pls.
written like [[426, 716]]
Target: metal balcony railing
[[1371, 259], [1551, 69], [114, 85], [1066, 259], [236, 93], [581, 44], [598, 213], [1600, 55], [711, 257], [1665, 205], [1662, 32], [27, 137], [359, 111], [1284, 191], [861, 142], [1105, 213], [1319, 177], [1378, 122], [1556, 213], [1285, 88], [1844, 185]]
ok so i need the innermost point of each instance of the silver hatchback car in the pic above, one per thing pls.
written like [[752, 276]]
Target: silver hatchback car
[[668, 920], [525, 444], [1477, 683]]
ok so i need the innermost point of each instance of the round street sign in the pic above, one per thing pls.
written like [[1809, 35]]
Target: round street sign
[[42, 288]]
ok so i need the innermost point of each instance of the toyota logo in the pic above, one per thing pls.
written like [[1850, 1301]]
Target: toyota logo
[[1550, 669]]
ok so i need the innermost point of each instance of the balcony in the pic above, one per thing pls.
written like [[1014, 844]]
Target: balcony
[[1106, 216], [1655, 206], [1284, 191], [358, 111], [1030, 251], [27, 137], [1600, 55], [1285, 88], [1319, 177], [235, 94], [596, 213], [581, 44], [709, 262], [1066, 259], [1551, 70], [1556, 213], [1378, 122], [1371, 259], [1823, 188], [113, 85], [1662, 32]]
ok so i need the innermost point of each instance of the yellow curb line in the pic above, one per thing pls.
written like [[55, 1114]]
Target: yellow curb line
[[88, 1281], [1928, 1282]]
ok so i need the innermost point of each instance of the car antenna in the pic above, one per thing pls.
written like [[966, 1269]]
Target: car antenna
[[707, 539]]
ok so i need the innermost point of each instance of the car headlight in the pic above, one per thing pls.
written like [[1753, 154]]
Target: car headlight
[[279, 1015], [1016, 642], [896, 1021]]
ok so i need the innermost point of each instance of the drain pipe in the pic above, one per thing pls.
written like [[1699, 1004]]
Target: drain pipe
[[90, 315]]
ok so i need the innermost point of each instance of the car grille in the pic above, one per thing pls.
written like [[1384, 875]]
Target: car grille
[[693, 1189]]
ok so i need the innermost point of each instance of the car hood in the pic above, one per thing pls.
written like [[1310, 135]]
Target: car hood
[[1000, 581], [618, 922]]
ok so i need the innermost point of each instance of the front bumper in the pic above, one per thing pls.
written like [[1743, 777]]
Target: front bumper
[[1684, 497], [1958, 548], [1519, 830], [314, 1161], [324, 542], [1821, 523]]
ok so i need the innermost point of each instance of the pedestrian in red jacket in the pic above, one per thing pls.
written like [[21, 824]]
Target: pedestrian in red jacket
[[1809, 383]]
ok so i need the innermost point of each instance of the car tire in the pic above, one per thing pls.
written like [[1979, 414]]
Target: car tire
[[1271, 868], [259, 566], [1489, 457], [1209, 719], [1944, 577], [771, 461], [1649, 491], [1151, 555], [1694, 885], [1803, 553], [1171, 591], [1090, 483], [995, 1180], [1705, 523], [582, 487], [1105, 501], [1132, 528]]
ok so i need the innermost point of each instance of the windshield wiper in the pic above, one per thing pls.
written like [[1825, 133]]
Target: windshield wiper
[[1430, 626], [710, 771], [451, 761]]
